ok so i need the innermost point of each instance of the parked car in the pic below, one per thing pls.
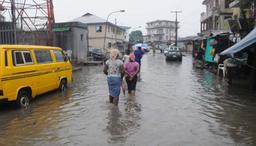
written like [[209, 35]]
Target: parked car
[[97, 53], [174, 53], [166, 50]]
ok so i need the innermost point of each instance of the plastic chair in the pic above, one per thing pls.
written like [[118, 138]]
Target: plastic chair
[[221, 67]]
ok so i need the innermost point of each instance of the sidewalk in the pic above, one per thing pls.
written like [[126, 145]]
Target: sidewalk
[[76, 67]]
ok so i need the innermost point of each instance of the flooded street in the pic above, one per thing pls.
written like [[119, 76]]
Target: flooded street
[[175, 105]]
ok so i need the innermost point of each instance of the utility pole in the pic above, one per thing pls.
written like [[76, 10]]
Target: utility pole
[[176, 26], [13, 13]]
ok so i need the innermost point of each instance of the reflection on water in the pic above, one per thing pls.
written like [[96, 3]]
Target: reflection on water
[[176, 104], [122, 125]]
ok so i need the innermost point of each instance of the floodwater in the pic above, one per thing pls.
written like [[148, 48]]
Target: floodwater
[[175, 105]]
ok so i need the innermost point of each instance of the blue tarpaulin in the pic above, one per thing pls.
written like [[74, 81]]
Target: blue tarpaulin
[[244, 43]]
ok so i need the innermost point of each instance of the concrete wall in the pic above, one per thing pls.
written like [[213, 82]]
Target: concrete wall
[[96, 39], [74, 38], [80, 44]]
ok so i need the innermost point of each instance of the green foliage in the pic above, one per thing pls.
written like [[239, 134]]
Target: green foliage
[[136, 37]]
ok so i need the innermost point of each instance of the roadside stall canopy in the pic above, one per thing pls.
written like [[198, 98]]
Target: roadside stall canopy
[[247, 41]]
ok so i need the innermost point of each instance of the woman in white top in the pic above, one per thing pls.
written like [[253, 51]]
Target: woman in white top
[[113, 68]]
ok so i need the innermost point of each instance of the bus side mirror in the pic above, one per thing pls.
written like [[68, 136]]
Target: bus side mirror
[[66, 58]]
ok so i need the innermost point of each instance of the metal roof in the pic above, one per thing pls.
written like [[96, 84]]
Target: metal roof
[[89, 19]]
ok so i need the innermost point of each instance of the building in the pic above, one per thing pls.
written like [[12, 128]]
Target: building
[[215, 19], [73, 38], [2, 19], [244, 16], [160, 32], [7, 35], [100, 31]]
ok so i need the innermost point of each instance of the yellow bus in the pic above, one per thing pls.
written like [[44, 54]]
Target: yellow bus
[[27, 71]]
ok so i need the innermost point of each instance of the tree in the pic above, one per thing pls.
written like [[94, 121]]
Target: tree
[[136, 37]]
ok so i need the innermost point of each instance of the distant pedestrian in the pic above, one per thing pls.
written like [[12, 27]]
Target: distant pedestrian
[[131, 71], [138, 56], [113, 68], [154, 50]]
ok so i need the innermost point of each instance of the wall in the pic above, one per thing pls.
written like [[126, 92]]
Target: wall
[[80, 44], [74, 38], [96, 39]]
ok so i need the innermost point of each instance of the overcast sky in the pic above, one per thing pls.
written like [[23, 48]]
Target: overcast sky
[[137, 12]]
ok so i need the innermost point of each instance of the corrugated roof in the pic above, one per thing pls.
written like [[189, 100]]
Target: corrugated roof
[[89, 19]]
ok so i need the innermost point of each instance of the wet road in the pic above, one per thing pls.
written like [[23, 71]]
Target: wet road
[[176, 105]]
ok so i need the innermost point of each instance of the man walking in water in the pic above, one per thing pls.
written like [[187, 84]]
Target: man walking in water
[[138, 56]]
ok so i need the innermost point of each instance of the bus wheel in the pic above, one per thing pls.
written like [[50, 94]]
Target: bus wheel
[[23, 99], [63, 85]]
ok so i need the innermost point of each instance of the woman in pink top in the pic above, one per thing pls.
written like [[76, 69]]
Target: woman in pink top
[[131, 70]]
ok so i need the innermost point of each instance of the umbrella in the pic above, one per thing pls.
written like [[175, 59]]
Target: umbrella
[[142, 45]]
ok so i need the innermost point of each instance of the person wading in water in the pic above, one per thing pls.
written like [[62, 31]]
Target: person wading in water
[[131, 70], [113, 68], [138, 56]]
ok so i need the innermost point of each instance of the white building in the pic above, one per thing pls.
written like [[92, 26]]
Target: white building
[[160, 32]]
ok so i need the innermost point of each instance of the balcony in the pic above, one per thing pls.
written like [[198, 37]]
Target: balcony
[[161, 26], [216, 11], [158, 33], [206, 15], [227, 11]]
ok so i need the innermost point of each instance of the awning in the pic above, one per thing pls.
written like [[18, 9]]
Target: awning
[[61, 29], [244, 43]]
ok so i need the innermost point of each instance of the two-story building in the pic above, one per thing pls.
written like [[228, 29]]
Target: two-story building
[[100, 31], [244, 16], [216, 16], [160, 32]]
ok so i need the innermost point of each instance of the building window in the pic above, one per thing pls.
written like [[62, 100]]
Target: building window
[[81, 37], [43, 56], [109, 45], [98, 28], [22, 58]]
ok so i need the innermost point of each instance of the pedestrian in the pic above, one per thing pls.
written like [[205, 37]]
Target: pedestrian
[[131, 70], [126, 58], [154, 50], [138, 56], [113, 68], [124, 83]]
